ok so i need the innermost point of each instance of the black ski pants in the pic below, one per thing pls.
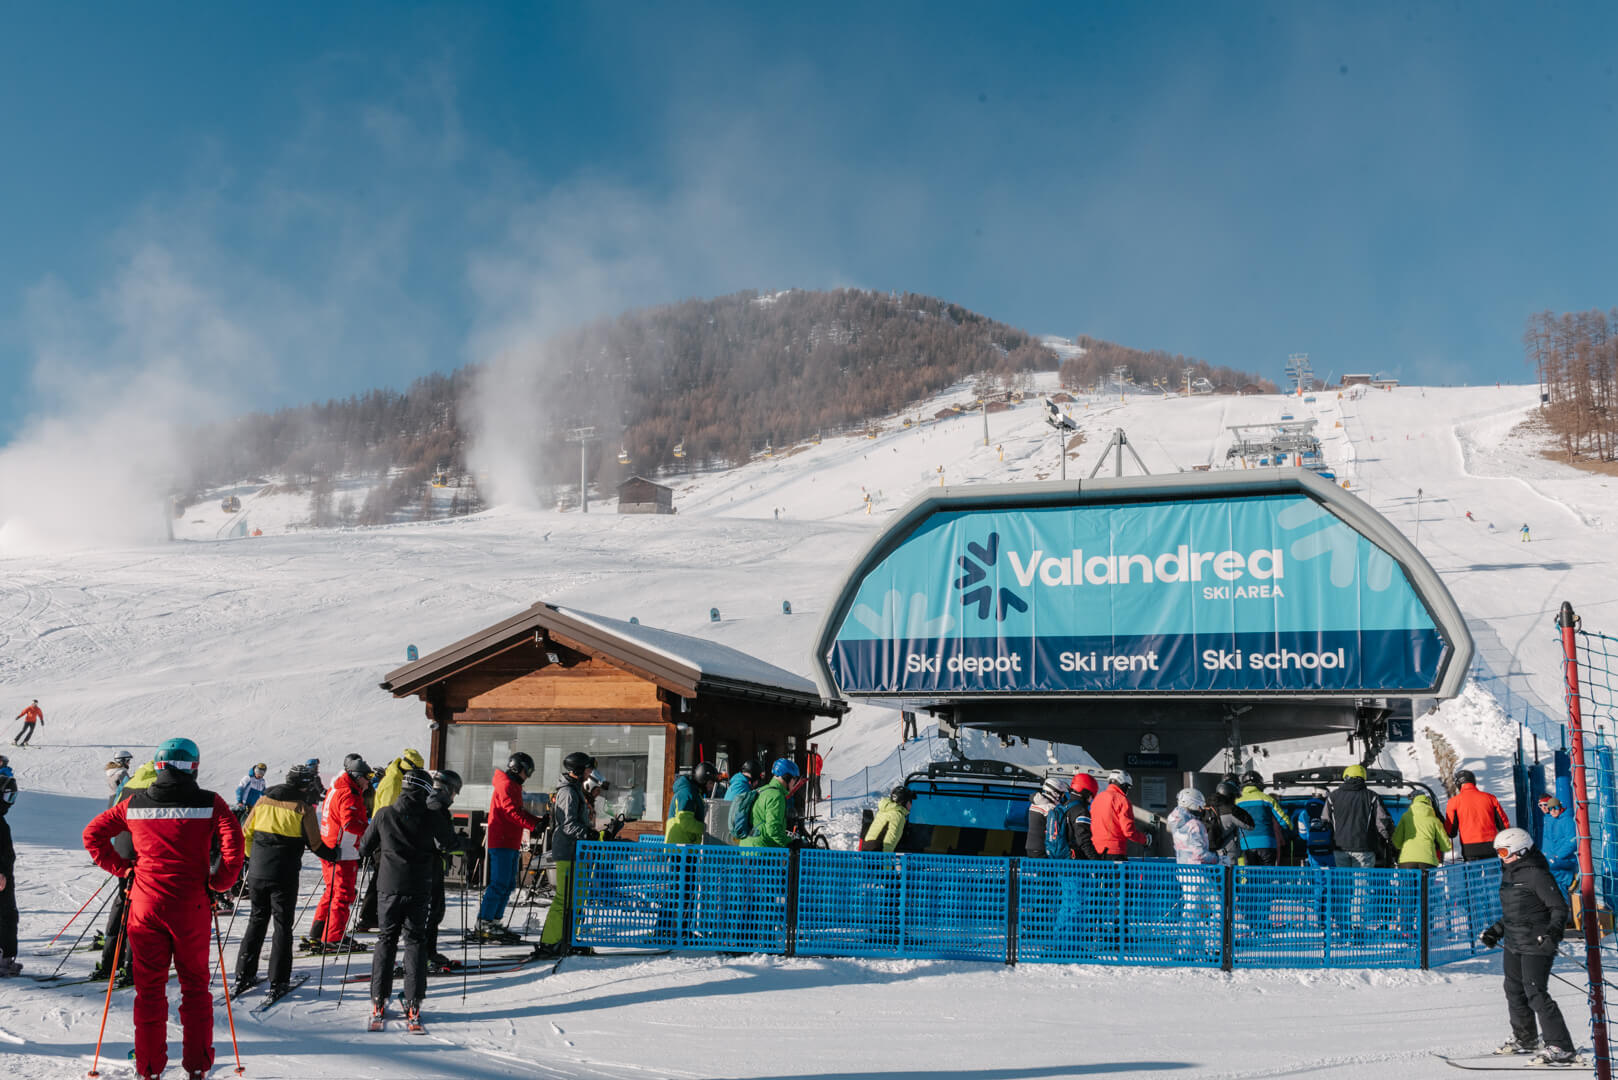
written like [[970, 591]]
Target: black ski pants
[[368, 918], [1528, 998], [109, 937], [401, 916], [269, 898], [24, 735], [8, 918]]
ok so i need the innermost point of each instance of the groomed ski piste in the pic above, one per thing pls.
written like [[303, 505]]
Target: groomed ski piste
[[271, 647]]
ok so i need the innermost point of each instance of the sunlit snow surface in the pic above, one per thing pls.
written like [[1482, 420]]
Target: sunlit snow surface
[[271, 648]]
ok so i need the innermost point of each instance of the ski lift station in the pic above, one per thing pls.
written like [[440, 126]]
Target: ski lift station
[[1153, 621]]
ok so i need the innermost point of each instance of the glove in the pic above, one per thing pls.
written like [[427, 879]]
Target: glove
[[1491, 937]]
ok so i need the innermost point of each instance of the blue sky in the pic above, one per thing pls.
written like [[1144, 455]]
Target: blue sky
[[271, 204]]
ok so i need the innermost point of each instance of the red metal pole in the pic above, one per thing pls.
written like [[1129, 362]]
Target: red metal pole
[[1590, 916]]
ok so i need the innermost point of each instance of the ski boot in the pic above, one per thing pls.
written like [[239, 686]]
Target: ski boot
[[495, 930], [9, 967], [1518, 1046], [1556, 1055]]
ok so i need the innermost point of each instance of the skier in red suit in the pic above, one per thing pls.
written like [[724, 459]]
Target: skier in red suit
[[172, 826], [346, 819]]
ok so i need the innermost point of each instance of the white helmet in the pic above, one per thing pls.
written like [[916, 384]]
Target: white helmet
[[1054, 788], [1513, 841], [1191, 799], [123, 755], [1121, 777]]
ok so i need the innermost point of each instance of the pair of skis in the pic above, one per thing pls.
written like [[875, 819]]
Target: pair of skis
[[1508, 1063], [272, 997]]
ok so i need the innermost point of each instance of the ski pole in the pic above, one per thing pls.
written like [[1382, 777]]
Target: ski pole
[[313, 891], [225, 981], [106, 1006], [76, 914], [465, 885], [92, 921], [229, 927], [348, 955]]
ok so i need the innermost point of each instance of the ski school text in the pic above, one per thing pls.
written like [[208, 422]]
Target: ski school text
[[1281, 660]]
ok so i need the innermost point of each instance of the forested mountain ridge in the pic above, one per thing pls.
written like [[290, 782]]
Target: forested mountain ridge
[[723, 378]]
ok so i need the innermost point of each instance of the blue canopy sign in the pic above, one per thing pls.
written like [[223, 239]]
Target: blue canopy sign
[[1253, 592]]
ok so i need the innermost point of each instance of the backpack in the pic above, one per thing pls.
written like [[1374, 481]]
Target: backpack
[[1056, 845], [741, 815]]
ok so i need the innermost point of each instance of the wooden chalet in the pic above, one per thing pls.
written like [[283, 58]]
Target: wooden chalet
[[638, 495], [646, 703]]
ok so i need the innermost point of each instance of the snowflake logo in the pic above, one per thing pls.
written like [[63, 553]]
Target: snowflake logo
[[975, 590]]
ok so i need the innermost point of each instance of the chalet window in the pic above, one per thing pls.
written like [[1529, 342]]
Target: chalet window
[[630, 756]]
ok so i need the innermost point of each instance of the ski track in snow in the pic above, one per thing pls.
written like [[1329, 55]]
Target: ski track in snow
[[271, 648]]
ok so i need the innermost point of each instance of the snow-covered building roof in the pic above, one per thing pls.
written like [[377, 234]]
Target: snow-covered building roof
[[680, 663]]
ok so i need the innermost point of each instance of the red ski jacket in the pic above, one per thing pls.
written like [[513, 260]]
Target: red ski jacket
[[31, 715], [1475, 816], [507, 818], [345, 818], [172, 825], [1112, 822]]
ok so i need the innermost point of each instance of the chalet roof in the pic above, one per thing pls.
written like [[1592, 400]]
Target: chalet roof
[[688, 665], [643, 480]]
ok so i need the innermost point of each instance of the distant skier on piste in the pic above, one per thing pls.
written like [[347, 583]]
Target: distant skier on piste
[[30, 716], [408, 836], [1524, 532], [117, 773], [173, 825], [250, 789]]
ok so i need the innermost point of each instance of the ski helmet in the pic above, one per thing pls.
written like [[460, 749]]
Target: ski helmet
[[261, 768], [1191, 799], [417, 780], [1251, 778], [449, 780], [1465, 776], [355, 764], [704, 773], [902, 795], [578, 763], [1085, 783], [750, 768], [124, 756], [1513, 841], [1053, 788], [785, 768], [1354, 772], [1122, 778], [595, 782], [178, 754], [1227, 789], [520, 762]]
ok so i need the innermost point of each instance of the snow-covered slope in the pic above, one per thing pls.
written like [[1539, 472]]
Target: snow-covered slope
[[271, 647]]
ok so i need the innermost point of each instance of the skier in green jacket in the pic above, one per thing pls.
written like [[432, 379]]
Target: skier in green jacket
[[1420, 839], [889, 823], [770, 807]]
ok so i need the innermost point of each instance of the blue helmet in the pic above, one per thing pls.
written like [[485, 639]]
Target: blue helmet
[[178, 754], [785, 768]]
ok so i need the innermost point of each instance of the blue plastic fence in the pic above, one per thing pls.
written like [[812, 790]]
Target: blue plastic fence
[[915, 906]]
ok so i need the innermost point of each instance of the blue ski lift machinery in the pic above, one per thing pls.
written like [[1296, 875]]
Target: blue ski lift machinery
[[1100, 612]]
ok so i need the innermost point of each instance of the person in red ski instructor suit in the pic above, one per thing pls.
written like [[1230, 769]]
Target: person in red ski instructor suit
[[172, 825], [346, 818]]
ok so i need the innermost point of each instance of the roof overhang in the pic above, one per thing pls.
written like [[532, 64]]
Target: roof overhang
[[581, 632]]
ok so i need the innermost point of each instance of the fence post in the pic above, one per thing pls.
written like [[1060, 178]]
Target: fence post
[[1013, 899], [1227, 932], [792, 901], [1425, 910], [1581, 816]]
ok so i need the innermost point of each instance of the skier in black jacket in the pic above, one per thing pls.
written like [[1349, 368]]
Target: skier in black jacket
[[408, 839], [8, 884], [1534, 914], [1361, 827], [446, 785]]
